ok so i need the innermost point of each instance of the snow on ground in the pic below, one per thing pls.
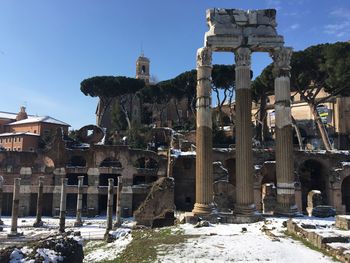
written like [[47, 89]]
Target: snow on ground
[[227, 243], [216, 243], [92, 230], [108, 251]]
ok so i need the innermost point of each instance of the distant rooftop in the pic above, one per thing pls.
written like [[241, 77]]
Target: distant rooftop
[[46, 119], [7, 115], [18, 133]]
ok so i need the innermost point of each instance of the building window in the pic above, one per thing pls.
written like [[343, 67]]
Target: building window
[[31, 149], [0, 140], [15, 139], [19, 149], [19, 139]]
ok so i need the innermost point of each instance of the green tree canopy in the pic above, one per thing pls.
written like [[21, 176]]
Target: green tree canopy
[[110, 86]]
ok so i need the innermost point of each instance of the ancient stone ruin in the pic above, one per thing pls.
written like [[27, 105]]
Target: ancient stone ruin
[[244, 32]]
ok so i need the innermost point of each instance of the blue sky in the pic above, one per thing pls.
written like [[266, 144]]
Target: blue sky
[[48, 47]]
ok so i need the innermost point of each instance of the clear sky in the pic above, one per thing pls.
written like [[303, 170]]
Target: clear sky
[[48, 47]]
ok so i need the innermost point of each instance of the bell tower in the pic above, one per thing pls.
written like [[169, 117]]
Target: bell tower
[[142, 68]]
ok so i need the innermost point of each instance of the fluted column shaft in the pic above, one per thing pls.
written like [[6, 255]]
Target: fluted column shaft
[[39, 203], [63, 204], [15, 206], [284, 140], [244, 153], [118, 203], [78, 221], [204, 166], [110, 205]]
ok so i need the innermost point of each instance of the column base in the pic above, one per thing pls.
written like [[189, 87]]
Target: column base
[[286, 210], [246, 214], [202, 209], [38, 224]]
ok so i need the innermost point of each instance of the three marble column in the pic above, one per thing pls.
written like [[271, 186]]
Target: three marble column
[[284, 142], [244, 153], [204, 163]]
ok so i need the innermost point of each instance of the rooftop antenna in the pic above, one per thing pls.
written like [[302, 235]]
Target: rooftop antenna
[[142, 53]]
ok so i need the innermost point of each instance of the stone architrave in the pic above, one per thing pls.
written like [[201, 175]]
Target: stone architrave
[[78, 222], [39, 203], [244, 154], [204, 166], [15, 207], [63, 203], [1, 195], [284, 134], [118, 203], [109, 206]]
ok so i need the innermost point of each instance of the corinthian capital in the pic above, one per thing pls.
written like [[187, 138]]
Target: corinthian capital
[[242, 57], [281, 58], [204, 57]]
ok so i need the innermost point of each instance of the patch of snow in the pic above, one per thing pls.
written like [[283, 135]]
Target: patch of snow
[[345, 164], [110, 250], [49, 256], [226, 243]]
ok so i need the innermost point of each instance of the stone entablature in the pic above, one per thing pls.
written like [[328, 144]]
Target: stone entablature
[[233, 28]]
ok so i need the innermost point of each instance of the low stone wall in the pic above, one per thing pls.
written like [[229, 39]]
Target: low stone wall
[[329, 241]]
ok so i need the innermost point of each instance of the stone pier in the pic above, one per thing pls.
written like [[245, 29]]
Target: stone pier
[[118, 204], [39, 203], [1, 196], [63, 202], [15, 207], [245, 206], [109, 206], [78, 222], [204, 163], [284, 134]]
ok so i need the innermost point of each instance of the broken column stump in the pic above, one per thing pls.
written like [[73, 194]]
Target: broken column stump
[[15, 208], [158, 208], [39, 204]]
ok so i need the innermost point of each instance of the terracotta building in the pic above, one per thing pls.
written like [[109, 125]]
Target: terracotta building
[[22, 132]]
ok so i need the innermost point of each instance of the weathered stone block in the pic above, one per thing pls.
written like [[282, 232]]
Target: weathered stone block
[[342, 222], [158, 205]]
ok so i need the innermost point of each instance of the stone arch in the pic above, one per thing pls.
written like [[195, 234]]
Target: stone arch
[[267, 181], [345, 192], [77, 160], [146, 162], [111, 162], [312, 176]]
